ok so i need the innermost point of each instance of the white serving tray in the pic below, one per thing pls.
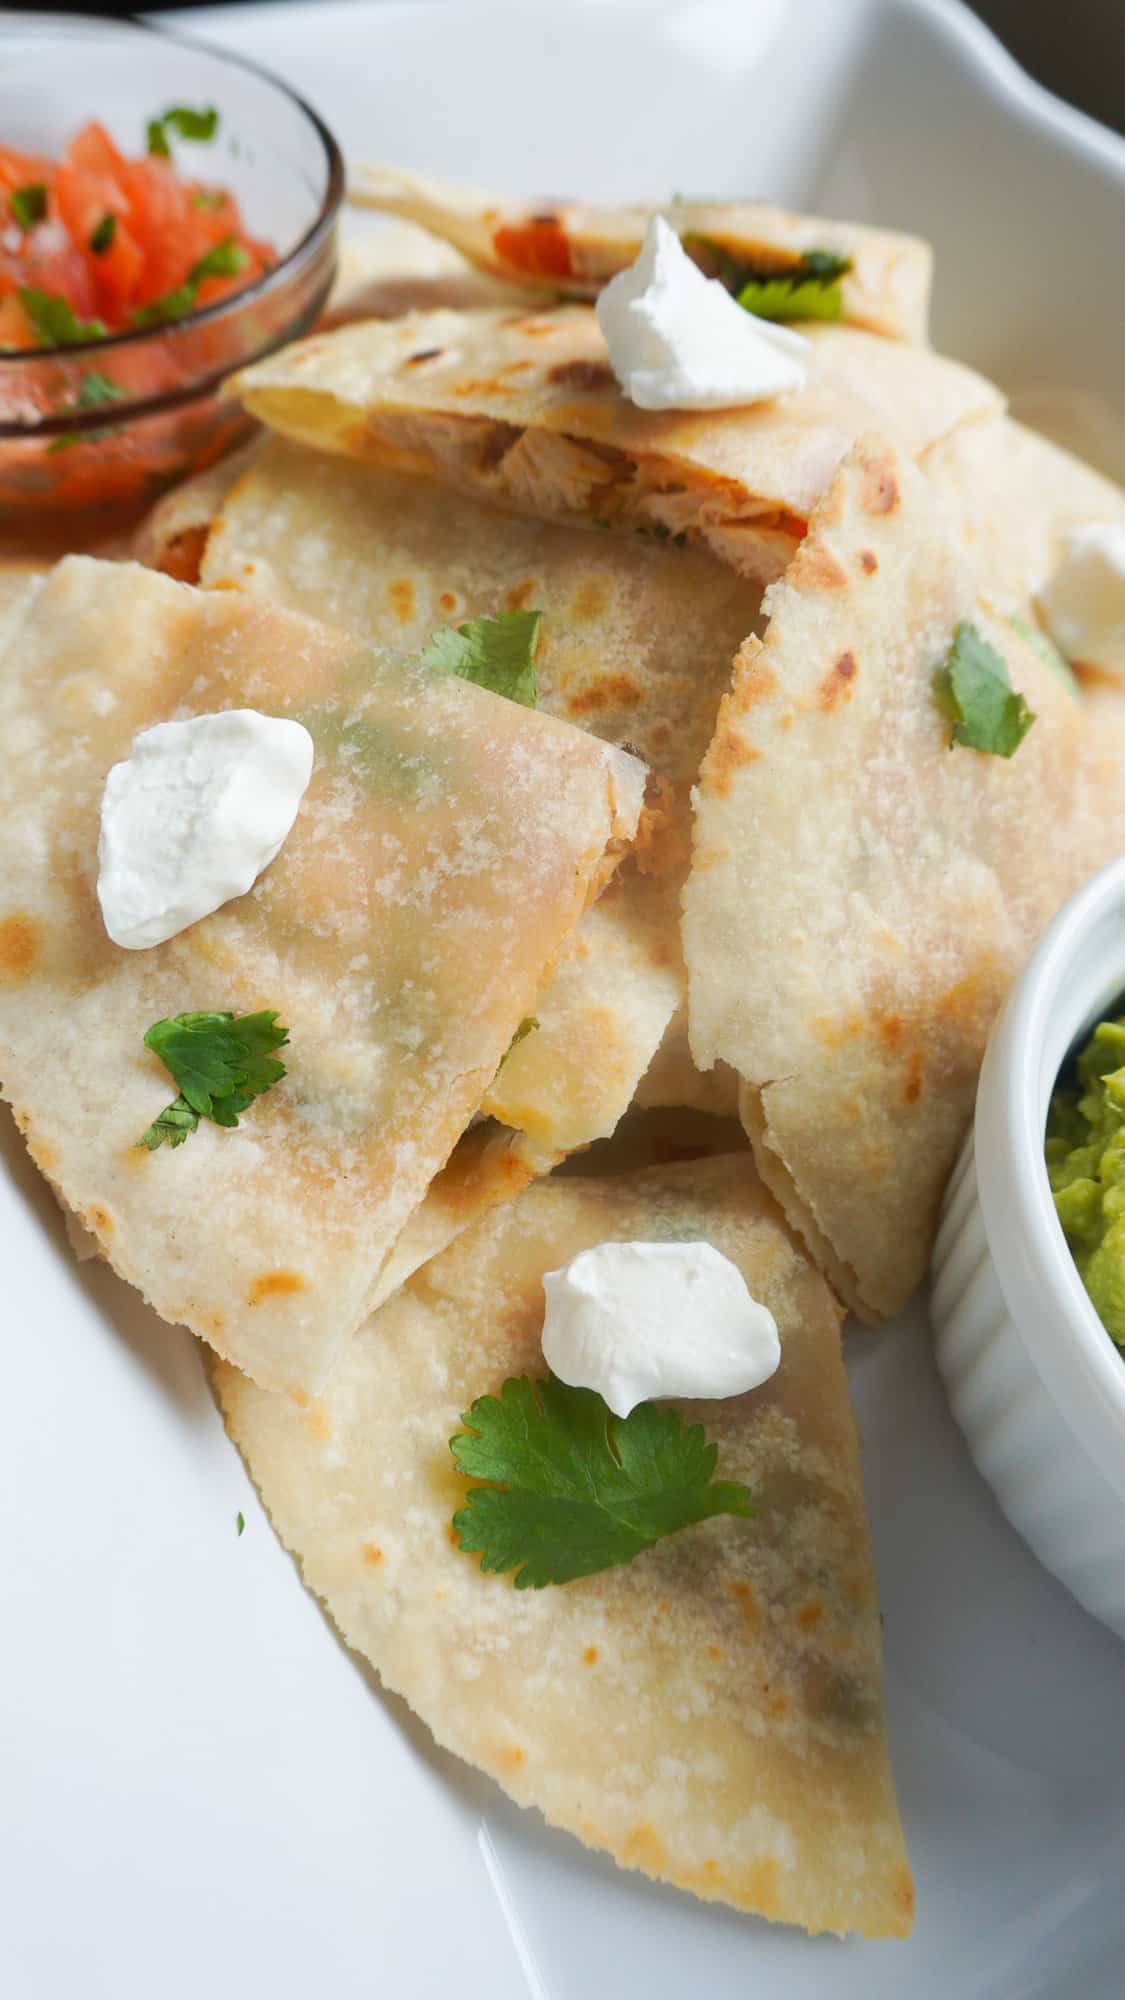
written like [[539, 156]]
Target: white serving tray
[[201, 1792]]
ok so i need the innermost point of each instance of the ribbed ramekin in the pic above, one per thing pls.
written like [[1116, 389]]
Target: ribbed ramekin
[[1035, 1383]]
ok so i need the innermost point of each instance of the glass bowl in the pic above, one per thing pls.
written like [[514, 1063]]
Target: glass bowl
[[283, 165]]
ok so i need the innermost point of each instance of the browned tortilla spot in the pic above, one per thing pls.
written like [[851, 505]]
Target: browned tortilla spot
[[728, 753], [447, 601], [275, 1285], [868, 561], [609, 691], [20, 944], [520, 595], [401, 594], [912, 1089], [879, 494], [890, 1030], [590, 1656], [753, 678], [372, 1554], [815, 568], [836, 686], [581, 374], [591, 599], [183, 554], [423, 354]]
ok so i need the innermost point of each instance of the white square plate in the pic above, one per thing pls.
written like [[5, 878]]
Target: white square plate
[[200, 1790]]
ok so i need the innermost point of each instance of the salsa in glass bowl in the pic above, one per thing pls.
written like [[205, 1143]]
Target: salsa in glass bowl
[[167, 214]]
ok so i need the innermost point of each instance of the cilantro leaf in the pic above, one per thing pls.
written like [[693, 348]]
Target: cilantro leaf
[[29, 204], [496, 653], [526, 1027], [792, 297], [223, 260], [239, 1522], [809, 288], [974, 691], [93, 390], [185, 123], [220, 1063], [55, 321], [209, 198], [101, 238], [1047, 650], [572, 1488]]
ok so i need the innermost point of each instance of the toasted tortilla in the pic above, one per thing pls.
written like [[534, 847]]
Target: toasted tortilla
[[444, 851], [1012, 499], [862, 894], [712, 1713], [636, 646], [524, 410], [578, 246]]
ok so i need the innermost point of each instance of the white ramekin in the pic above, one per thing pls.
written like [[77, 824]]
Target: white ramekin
[[1034, 1380]]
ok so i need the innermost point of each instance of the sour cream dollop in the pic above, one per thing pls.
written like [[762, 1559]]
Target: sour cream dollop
[[679, 341], [192, 816], [1083, 599], [638, 1320]]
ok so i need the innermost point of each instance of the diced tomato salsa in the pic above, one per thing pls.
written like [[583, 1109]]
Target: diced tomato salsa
[[123, 242]]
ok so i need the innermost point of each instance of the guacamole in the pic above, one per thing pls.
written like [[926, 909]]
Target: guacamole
[[1085, 1152]]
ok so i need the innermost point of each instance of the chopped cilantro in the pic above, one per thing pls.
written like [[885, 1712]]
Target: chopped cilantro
[[223, 260], [792, 297], [526, 1027], [94, 390], [973, 690], [496, 653], [809, 288], [573, 1489], [55, 322], [209, 198], [220, 1063], [185, 123], [239, 1522], [29, 204], [1048, 652], [101, 238]]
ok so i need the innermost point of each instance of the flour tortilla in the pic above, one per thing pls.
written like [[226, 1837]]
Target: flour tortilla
[[850, 935], [711, 1714], [444, 851], [636, 646], [523, 410], [173, 534], [391, 267], [1012, 500], [578, 246]]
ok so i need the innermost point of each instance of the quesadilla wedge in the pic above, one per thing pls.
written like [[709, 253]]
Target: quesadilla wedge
[[1012, 499], [711, 1713], [577, 247], [636, 645], [524, 410], [850, 937], [443, 853]]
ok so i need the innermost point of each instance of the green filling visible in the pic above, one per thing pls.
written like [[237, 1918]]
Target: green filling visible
[[1085, 1153], [808, 288]]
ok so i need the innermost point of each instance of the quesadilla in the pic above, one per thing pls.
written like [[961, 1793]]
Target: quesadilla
[[1012, 499], [712, 1713], [636, 646], [446, 847], [523, 410], [576, 247], [862, 892]]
